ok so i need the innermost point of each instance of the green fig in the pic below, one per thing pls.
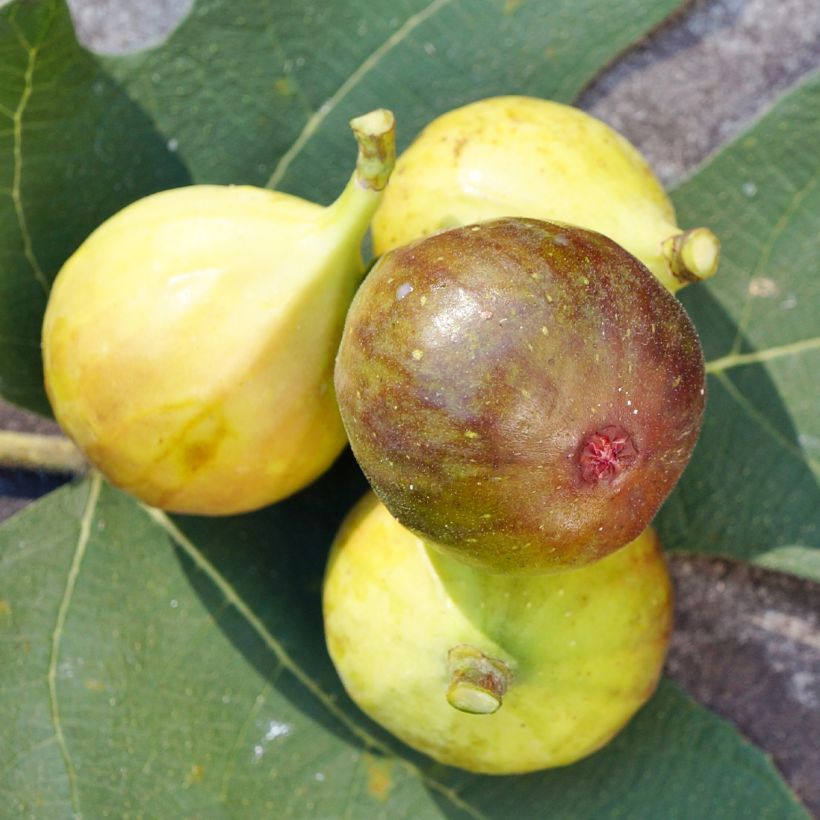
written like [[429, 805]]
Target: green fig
[[492, 673], [521, 156], [189, 342], [524, 394]]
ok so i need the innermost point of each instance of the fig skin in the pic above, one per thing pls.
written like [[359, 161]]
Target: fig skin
[[523, 156], [583, 649], [189, 342], [483, 369]]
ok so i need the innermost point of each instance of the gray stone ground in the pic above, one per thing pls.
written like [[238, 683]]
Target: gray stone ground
[[747, 641], [702, 76]]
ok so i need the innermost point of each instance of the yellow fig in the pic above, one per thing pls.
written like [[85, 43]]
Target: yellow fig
[[189, 342], [521, 156], [493, 673]]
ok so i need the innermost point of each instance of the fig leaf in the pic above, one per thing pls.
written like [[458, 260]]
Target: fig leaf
[[153, 665], [153, 662], [751, 486]]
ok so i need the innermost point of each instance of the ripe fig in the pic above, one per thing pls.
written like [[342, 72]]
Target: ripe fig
[[521, 156], [522, 393], [189, 342], [492, 673]]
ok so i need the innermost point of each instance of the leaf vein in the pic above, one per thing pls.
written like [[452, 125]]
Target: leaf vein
[[253, 620], [319, 116], [765, 254], [21, 38], [22, 755], [740, 359], [755, 414], [59, 628], [230, 763], [17, 172]]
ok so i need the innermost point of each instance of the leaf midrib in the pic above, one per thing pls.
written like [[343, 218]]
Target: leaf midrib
[[17, 152], [732, 360], [368, 64], [57, 634], [286, 661]]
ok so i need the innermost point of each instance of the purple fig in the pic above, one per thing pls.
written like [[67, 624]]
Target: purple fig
[[521, 393]]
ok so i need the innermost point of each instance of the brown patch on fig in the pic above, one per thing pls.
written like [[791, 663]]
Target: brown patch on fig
[[472, 402]]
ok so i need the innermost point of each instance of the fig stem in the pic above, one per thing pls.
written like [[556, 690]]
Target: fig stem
[[477, 681], [350, 214], [376, 135], [692, 255], [36, 451]]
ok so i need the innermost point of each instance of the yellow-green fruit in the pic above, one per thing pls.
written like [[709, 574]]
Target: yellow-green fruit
[[493, 673], [521, 156], [189, 342]]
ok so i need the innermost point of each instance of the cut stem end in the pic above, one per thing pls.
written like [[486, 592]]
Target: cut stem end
[[692, 255], [351, 213], [477, 682], [376, 135]]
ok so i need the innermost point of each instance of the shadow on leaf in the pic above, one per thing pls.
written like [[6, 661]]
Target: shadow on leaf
[[71, 166], [749, 487], [280, 583]]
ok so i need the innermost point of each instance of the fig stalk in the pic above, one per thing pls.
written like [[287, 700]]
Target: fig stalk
[[692, 256], [375, 136], [35, 451], [477, 682]]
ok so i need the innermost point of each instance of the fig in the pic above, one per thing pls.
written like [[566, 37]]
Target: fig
[[521, 156], [492, 673], [522, 393], [189, 342]]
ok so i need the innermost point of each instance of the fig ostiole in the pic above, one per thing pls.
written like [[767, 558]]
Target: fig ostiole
[[521, 156], [524, 394], [492, 673], [189, 342]]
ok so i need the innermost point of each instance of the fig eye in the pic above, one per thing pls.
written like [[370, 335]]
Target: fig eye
[[606, 454]]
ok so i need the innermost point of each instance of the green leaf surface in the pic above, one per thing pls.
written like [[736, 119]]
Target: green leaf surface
[[176, 667], [254, 92], [794, 560], [73, 149], [752, 485]]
